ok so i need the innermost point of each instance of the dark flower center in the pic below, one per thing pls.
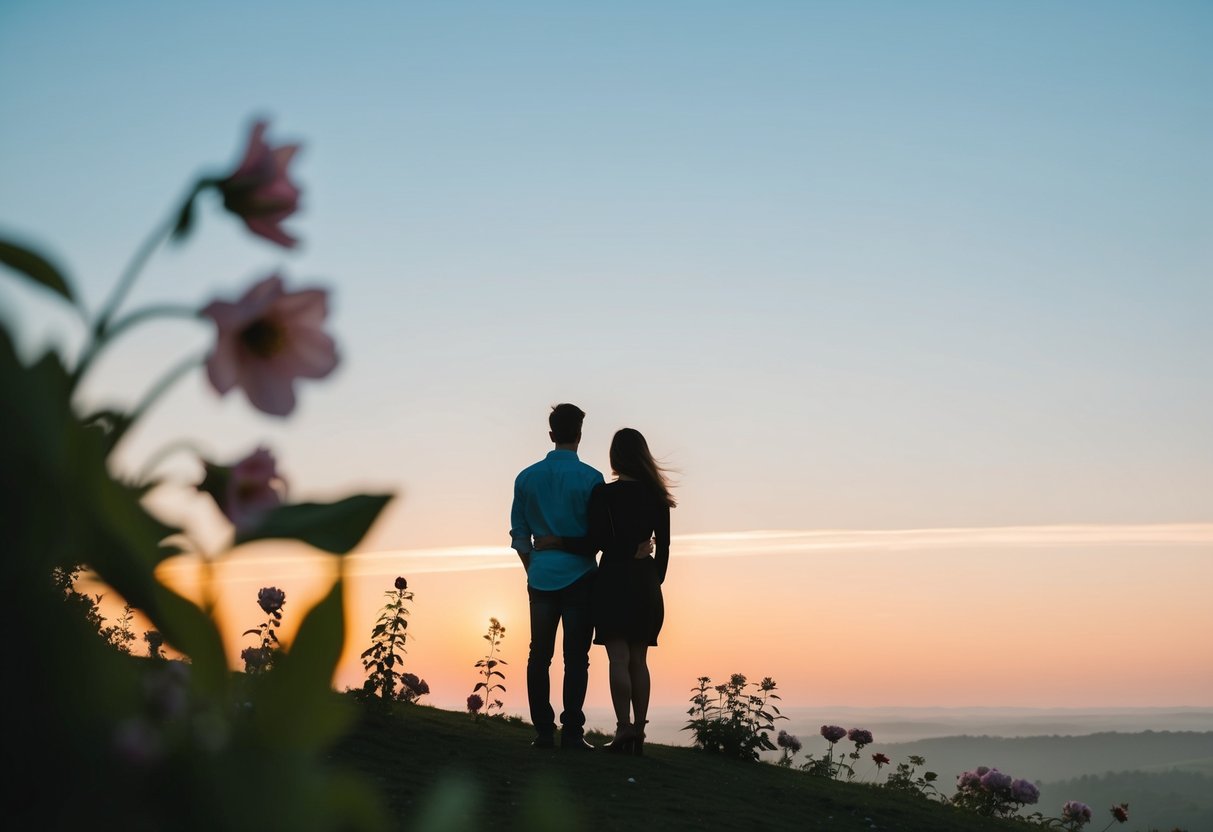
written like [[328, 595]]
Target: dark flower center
[[263, 338]]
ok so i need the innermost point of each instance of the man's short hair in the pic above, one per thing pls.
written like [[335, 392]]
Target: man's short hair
[[565, 421]]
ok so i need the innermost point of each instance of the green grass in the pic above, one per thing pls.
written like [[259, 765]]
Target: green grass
[[441, 770]]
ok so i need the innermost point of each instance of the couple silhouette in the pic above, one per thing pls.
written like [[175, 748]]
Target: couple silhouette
[[564, 513]]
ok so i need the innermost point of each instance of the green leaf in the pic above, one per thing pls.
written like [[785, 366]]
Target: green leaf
[[298, 708], [36, 267], [191, 631], [333, 527]]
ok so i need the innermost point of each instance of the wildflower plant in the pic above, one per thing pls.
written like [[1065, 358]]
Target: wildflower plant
[[122, 736], [790, 745], [261, 658], [121, 634], [906, 778], [734, 718], [384, 659], [487, 667], [993, 793], [826, 765]]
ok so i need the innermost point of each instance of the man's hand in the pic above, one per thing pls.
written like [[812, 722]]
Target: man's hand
[[645, 549], [549, 541]]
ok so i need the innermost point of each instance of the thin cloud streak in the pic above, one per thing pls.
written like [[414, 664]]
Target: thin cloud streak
[[761, 543]]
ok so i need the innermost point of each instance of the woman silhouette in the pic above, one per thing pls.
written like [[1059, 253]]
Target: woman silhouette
[[628, 608]]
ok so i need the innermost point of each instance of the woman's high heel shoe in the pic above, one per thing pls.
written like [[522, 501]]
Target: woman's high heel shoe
[[638, 738], [623, 741]]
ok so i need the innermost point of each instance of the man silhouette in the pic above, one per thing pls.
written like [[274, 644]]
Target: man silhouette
[[550, 500]]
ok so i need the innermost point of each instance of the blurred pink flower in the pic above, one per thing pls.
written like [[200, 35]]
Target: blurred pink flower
[[259, 192], [246, 491], [475, 703], [138, 741], [1121, 813], [880, 759], [255, 487], [266, 340]]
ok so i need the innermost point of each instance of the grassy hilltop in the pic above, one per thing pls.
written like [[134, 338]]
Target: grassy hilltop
[[441, 770]]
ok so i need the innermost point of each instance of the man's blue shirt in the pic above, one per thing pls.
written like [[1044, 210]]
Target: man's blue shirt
[[551, 497]]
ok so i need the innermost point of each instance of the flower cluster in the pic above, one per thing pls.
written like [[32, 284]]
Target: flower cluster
[[736, 721], [1075, 814], [475, 703], [827, 765], [833, 733], [414, 687], [989, 791], [860, 737]]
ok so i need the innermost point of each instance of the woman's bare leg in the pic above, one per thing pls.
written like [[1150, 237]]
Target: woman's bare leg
[[618, 654], [639, 683]]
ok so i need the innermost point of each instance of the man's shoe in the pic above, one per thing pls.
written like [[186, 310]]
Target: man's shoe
[[577, 743], [544, 741]]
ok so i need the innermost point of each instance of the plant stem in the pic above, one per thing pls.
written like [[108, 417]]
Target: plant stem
[[138, 261], [161, 387], [145, 473]]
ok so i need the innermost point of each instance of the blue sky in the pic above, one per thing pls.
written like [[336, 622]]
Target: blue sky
[[848, 265]]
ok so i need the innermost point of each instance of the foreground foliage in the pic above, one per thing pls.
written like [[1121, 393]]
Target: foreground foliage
[[146, 743]]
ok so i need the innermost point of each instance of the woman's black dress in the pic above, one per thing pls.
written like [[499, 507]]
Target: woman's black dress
[[627, 591]]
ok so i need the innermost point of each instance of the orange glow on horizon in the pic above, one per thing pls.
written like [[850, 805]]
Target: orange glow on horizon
[[1116, 617]]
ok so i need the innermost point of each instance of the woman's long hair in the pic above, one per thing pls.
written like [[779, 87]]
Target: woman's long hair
[[630, 457]]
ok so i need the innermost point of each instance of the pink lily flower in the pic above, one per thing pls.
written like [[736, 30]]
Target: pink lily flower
[[266, 340], [258, 190]]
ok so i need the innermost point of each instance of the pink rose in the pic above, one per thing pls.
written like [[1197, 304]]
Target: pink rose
[[259, 192], [271, 599], [266, 340]]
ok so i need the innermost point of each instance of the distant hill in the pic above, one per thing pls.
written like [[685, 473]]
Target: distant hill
[[1157, 800], [1051, 758], [1164, 776]]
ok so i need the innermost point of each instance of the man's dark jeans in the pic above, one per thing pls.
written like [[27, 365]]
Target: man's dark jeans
[[571, 608]]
